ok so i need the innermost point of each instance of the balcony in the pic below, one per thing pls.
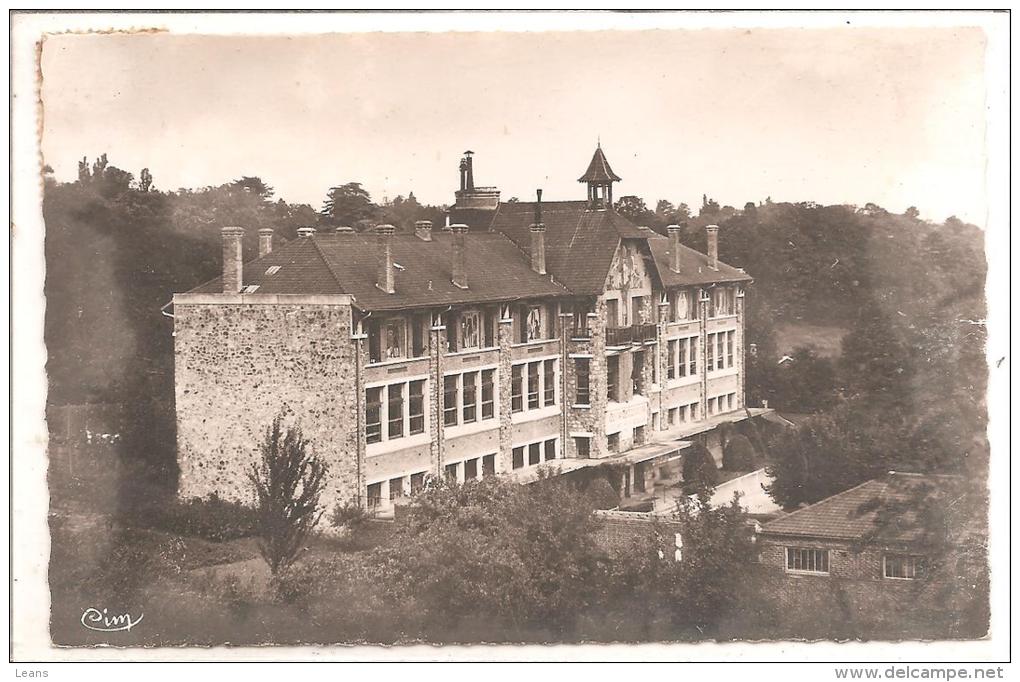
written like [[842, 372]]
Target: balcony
[[637, 333]]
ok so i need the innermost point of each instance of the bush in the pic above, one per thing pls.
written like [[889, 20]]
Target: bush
[[602, 494], [212, 518], [349, 515], [739, 454]]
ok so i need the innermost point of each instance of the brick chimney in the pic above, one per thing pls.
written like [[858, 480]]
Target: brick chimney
[[460, 255], [232, 266], [385, 279], [305, 231], [423, 230], [265, 241], [712, 232], [674, 247], [538, 238]]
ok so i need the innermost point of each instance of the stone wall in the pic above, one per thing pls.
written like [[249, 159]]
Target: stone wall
[[621, 531], [239, 364]]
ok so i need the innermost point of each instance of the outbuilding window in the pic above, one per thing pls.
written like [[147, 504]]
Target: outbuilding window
[[807, 560]]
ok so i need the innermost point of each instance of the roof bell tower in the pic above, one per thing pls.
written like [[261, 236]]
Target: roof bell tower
[[599, 178]]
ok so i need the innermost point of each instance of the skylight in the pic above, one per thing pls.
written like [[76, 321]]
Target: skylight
[[273, 269], [250, 289]]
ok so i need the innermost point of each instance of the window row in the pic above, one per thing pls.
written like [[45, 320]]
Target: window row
[[811, 560], [533, 453], [532, 385], [681, 357], [470, 469], [394, 411], [469, 397], [721, 403], [719, 350], [682, 414], [396, 489]]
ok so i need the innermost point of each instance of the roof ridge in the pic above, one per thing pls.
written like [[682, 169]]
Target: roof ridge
[[329, 266], [527, 257], [824, 499]]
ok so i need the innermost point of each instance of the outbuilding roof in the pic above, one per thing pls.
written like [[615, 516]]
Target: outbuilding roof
[[887, 508]]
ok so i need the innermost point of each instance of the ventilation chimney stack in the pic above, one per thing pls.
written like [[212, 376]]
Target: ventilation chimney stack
[[712, 232], [232, 266], [265, 241], [385, 280], [538, 238], [460, 255], [674, 247], [423, 230]]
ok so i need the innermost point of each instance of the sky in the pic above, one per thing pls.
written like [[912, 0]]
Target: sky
[[854, 115]]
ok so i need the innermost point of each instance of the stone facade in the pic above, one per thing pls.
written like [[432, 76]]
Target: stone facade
[[242, 360]]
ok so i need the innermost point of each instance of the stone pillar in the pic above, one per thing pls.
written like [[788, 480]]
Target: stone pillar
[[437, 351], [703, 350], [738, 352], [504, 458]]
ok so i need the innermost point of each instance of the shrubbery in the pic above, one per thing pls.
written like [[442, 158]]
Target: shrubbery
[[699, 470], [211, 518]]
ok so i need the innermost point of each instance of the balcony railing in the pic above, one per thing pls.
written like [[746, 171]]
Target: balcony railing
[[622, 336]]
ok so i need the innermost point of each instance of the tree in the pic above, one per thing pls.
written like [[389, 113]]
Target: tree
[[633, 208], [831, 453], [145, 181], [699, 470], [519, 561], [253, 185], [707, 587], [739, 454], [349, 204], [288, 481], [875, 361], [912, 213]]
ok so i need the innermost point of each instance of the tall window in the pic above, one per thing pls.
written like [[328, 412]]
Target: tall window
[[581, 372], [710, 353], [637, 307], [416, 406], [395, 406], [729, 348], [671, 362], [517, 388], [550, 449], [533, 372], [692, 356], [469, 396], [488, 394], [534, 454], [534, 324], [613, 377], [612, 313], [470, 330], [637, 375], [450, 400], [549, 383], [489, 328], [583, 446], [721, 347], [489, 465], [373, 415], [807, 560], [518, 457], [395, 338], [682, 306], [374, 495], [417, 336]]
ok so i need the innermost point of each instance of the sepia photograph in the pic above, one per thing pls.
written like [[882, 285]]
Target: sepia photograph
[[356, 330]]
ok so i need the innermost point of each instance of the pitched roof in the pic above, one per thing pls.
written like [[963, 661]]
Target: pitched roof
[[497, 271], [694, 268], [599, 170], [857, 513], [579, 242]]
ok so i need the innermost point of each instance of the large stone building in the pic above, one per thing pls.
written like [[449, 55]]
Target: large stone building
[[524, 334]]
